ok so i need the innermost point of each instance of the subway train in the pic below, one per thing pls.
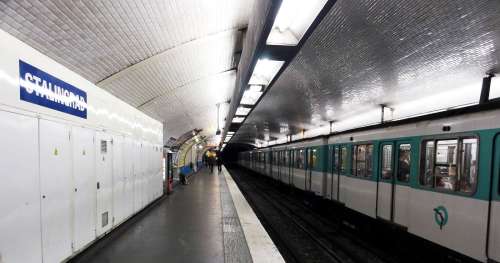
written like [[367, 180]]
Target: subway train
[[437, 177]]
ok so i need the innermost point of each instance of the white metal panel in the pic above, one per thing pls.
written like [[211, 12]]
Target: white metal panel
[[129, 176], [328, 185], [359, 194], [275, 171], [401, 204], [151, 175], [336, 186], [137, 176], [465, 230], [104, 174], [332, 187], [84, 180], [318, 183], [142, 172], [299, 178], [289, 171], [56, 189], [118, 180], [19, 190], [284, 171], [384, 200], [159, 168], [494, 242]]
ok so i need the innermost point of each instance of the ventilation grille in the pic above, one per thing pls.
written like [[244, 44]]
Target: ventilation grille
[[104, 219], [104, 146]]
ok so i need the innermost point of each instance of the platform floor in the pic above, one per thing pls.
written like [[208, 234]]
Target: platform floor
[[197, 223]]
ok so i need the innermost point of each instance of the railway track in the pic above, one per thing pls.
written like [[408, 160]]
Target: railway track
[[302, 235]]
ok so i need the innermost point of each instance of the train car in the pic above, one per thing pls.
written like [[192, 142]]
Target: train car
[[437, 179], [280, 170], [266, 162], [275, 162], [285, 166], [75, 163], [308, 165]]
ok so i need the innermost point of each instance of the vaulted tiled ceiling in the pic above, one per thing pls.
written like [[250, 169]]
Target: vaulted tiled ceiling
[[172, 59], [415, 56]]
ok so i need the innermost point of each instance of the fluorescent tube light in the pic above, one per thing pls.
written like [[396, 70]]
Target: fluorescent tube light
[[250, 97], [256, 88], [292, 21], [243, 111], [238, 119], [264, 72]]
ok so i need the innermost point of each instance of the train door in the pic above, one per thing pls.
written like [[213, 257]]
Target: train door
[[401, 196], [333, 174], [263, 163], [279, 165], [299, 171], [309, 168], [494, 220], [290, 166], [285, 175], [342, 170], [385, 185], [274, 165], [329, 173]]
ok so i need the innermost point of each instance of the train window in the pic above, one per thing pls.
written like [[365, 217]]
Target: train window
[[299, 159], [445, 164], [427, 178], [336, 157], [404, 162], [450, 164], [343, 159], [362, 160], [313, 158], [387, 162], [369, 160], [468, 167]]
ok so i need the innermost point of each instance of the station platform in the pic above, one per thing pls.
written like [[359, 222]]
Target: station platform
[[207, 220]]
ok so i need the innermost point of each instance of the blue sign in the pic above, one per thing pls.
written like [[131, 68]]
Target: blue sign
[[39, 87]]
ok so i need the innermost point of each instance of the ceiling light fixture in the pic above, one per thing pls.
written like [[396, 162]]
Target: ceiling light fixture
[[250, 97], [292, 21], [238, 119], [243, 111], [264, 71]]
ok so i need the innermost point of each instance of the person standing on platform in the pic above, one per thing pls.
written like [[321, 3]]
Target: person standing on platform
[[219, 163], [211, 163]]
